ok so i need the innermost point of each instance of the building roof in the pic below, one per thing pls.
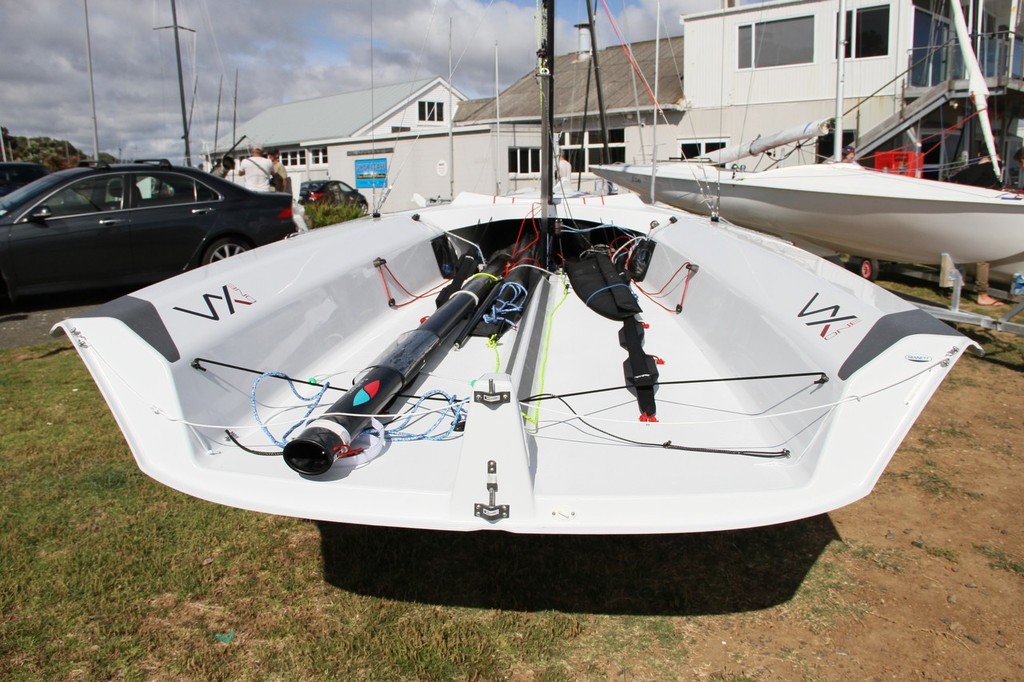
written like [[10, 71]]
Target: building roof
[[328, 117], [520, 100]]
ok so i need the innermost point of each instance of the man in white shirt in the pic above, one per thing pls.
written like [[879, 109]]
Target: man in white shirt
[[257, 171]]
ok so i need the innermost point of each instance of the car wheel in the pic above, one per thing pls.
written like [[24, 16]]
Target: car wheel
[[224, 248]]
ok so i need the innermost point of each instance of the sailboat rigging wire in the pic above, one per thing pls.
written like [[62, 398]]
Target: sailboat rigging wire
[[632, 60], [533, 417], [668, 444], [821, 379]]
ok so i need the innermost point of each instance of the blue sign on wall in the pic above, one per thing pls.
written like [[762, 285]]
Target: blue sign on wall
[[371, 173]]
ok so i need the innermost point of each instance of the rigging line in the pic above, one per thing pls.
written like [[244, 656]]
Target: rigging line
[[534, 415], [472, 35], [836, 403], [636, 99], [208, 22], [628, 51], [924, 59], [822, 378], [762, 454], [419, 61], [196, 363]]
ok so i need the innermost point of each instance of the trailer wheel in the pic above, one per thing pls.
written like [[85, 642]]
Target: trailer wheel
[[868, 269]]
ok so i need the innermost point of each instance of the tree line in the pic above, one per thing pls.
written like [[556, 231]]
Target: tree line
[[54, 154]]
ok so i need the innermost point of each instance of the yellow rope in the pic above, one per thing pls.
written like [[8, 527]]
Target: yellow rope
[[534, 415], [493, 343]]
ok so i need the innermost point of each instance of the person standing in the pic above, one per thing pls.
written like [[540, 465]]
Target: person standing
[[281, 181], [564, 168], [257, 171], [226, 165], [982, 174]]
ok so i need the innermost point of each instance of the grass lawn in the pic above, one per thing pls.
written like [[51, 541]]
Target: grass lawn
[[105, 574]]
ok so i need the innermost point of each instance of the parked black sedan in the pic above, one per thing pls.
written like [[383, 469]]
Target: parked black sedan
[[128, 224]]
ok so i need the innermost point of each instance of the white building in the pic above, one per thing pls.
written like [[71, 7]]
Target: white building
[[746, 71], [760, 68], [397, 142], [364, 138]]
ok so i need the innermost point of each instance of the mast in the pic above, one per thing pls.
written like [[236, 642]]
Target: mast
[[181, 83], [497, 120], [657, 106], [216, 122], [92, 88], [597, 84], [837, 146], [451, 120], [181, 80], [975, 83], [545, 76]]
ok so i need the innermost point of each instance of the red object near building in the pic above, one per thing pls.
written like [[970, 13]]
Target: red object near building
[[904, 163]]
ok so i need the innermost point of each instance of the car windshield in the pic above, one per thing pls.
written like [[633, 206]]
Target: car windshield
[[11, 201]]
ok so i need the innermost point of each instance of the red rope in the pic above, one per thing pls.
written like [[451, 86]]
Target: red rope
[[686, 285], [381, 266]]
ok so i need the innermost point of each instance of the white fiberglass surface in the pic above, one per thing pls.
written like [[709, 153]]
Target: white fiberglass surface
[[582, 443]]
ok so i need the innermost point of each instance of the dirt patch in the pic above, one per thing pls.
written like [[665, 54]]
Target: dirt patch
[[29, 321], [927, 578]]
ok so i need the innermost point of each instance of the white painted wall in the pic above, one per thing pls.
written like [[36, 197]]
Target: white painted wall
[[740, 104]]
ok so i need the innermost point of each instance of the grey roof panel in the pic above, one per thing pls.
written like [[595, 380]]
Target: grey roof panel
[[520, 101], [327, 117]]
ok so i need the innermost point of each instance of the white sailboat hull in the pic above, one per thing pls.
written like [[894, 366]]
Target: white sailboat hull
[[849, 209], [806, 377]]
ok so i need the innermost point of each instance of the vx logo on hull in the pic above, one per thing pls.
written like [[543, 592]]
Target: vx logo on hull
[[827, 317], [229, 294]]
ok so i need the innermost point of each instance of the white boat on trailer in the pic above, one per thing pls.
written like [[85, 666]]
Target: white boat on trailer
[[786, 386], [847, 208]]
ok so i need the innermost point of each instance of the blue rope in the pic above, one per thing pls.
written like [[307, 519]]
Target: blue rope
[[610, 286], [313, 402], [456, 407], [503, 309]]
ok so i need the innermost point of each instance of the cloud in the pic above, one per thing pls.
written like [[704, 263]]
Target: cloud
[[280, 52]]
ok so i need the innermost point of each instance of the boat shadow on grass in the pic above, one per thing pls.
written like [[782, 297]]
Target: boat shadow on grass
[[678, 574]]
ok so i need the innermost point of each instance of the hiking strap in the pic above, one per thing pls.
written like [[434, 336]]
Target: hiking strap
[[640, 369]]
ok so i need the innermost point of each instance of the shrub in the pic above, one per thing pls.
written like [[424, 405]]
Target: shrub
[[321, 214]]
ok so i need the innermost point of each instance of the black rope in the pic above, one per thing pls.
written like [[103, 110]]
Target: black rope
[[777, 454], [264, 453], [761, 454], [197, 364], [822, 379]]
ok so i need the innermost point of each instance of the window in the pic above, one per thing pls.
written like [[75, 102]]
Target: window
[[318, 155], [87, 196], [293, 157], [524, 160], [695, 149], [431, 111], [867, 32], [585, 148], [776, 43], [157, 189]]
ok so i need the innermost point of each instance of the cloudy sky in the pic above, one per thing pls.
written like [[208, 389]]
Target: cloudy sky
[[280, 51]]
